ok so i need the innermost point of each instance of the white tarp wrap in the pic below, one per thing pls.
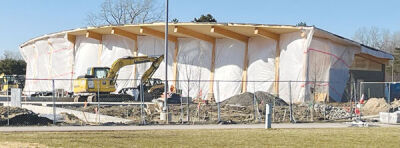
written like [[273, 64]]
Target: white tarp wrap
[[228, 67], [194, 64], [329, 63], [262, 53], [53, 57], [292, 66], [48, 59], [87, 52], [115, 47], [155, 47], [28, 53], [61, 56]]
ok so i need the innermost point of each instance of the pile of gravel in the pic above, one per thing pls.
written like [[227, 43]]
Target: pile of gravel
[[247, 99]]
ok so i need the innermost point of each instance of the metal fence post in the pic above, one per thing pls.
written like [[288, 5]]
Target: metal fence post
[[143, 121], [218, 103], [54, 103], [255, 106], [389, 97], [187, 102], [268, 111], [290, 102], [98, 100], [8, 103]]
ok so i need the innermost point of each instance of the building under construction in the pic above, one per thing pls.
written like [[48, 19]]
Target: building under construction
[[228, 59]]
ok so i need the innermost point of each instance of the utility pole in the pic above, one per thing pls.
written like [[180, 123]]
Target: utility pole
[[166, 62]]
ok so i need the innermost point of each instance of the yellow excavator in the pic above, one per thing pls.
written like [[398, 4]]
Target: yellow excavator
[[100, 82], [11, 81]]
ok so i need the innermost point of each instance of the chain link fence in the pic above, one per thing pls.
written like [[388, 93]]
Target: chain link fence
[[131, 102]]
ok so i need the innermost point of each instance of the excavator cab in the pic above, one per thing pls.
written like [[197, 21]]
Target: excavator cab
[[96, 72]]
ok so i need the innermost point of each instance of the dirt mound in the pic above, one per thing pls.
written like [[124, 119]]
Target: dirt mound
[[21, 116], [70, 119], [374, 106], [247, 99]]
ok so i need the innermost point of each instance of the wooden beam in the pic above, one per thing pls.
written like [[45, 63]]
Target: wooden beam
[[245, 66], [175, 64], [194, 34], [124, 33], [266, 34], [148, 31], [212, 71], [71, 38], [93, 35], [135, 54], [277, 59], [229, 34]]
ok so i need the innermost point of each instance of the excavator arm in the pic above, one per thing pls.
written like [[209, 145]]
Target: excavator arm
[[117, 65]]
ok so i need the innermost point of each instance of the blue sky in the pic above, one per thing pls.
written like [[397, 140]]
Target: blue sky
[[22, 20]]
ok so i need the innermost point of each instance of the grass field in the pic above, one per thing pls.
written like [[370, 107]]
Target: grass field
[[348, 137]]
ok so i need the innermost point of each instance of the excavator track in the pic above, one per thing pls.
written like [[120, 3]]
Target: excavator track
[[104, 98]]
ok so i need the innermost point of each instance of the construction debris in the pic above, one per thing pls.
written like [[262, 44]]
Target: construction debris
[[20, 116], [374, 106]]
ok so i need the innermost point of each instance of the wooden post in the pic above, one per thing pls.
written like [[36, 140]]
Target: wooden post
[[277, 58], [175, 64], [245, 66], [212, 71], [135, 54]]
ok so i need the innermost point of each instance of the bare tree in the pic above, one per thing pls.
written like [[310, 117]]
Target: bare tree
[[381, 39], [117, 12]]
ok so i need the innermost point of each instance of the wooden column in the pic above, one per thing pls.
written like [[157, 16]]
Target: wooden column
[[135, 54], [277, 60], [175, 64], [212, 71], [245, 67]]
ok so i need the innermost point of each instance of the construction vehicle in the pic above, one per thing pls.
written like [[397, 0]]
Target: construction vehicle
[[11, 81], [100, 82]]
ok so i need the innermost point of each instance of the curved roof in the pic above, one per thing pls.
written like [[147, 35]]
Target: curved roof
[[204, 29]]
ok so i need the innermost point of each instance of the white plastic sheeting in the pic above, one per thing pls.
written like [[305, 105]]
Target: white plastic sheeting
[[54, 58], [292, 66], [261, 67], [48, 59], [194, 58], [87, 54], [229, 58], [329, 63], [115, 47], [152, 46]]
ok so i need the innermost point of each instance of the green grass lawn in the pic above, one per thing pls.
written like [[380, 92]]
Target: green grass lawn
[[347, 137]]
